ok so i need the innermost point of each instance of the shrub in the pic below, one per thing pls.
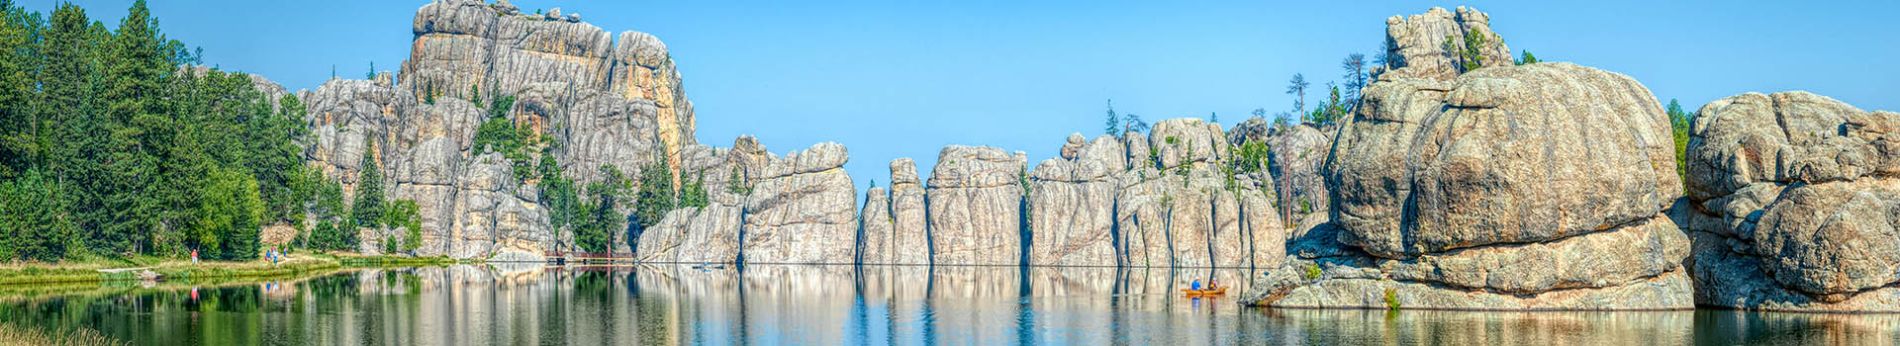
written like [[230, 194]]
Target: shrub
[[1392, 298], [1471, 54], [1313, 271], [405, 214]]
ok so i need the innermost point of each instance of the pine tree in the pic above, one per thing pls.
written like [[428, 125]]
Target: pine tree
[[1113, 126], [19, 69], [1297, 88], [1679, 128], [1355, 77], [367, 211], [138, 66], [33, 211]]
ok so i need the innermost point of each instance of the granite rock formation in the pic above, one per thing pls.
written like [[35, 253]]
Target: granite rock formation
[[802, 210], [1073, 199], [600, 103], [1542, 186], [1432, 44], [975, 206], [1792, 202]]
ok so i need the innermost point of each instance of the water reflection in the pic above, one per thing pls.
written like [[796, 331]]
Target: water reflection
[[528, 305]]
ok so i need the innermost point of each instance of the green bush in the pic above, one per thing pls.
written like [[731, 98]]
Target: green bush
[[1313, 271], [1252, 157], [405, 214], [1392, 299]]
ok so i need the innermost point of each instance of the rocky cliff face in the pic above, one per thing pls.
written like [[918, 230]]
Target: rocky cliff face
[[1513, 187], [975, 207], [1073, 199], [803, 210], [600, 103], [1297, 152], [1791, 200]]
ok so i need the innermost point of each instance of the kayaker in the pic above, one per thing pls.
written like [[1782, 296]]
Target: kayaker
[[1213, 284], [1195, 286]]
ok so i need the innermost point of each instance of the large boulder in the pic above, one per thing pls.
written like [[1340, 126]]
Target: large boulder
[[803, 210], [975, 206], [1541, 186], [1792, 204], [1072, 203], [1411, 179]]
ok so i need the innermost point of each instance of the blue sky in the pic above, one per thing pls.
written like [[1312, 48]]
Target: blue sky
[[903, 78]]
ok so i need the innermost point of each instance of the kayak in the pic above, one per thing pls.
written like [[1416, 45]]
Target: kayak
[[1191, 293]]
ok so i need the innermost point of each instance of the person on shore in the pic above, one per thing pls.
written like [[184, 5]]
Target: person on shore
[[194, 256]]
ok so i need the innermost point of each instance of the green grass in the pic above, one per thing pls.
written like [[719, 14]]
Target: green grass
[[86, 270]]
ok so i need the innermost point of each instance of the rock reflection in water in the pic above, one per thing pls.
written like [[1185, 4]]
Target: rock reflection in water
[[904, 305]]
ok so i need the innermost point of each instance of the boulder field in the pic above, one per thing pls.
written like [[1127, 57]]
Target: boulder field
[[1460, 181]]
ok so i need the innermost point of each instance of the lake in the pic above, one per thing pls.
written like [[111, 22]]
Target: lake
[[830, 305]]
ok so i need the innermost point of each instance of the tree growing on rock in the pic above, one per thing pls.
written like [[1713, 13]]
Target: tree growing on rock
[[1297, 88], [1470, 54], [1114, 124], [1355, 77]]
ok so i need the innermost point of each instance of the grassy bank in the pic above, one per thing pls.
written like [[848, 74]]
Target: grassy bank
[[11, 335], [86, 271]]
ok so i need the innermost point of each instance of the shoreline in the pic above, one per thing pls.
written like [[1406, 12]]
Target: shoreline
[[175, 270]]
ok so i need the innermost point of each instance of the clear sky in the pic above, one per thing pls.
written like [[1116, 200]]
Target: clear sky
[[903, 78]]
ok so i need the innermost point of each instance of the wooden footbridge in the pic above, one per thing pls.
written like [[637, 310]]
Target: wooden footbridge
[[564, 257]]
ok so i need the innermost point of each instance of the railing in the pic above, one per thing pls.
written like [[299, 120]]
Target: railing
[[563, 256]]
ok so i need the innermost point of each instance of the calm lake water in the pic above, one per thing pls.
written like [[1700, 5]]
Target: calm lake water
[[831, 305]]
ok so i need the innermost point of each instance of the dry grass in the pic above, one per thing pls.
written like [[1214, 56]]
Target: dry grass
[[12, 335]]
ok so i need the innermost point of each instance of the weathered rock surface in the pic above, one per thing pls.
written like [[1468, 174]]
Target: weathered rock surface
[[1460, 175], [601, 104], [910, 234], [803, 210], [1541, 186], [1072, 200], [975, 206], [1193, 213], [1793, 204], [1428, 45], [1298, 153], [709, 234], [875, 243]]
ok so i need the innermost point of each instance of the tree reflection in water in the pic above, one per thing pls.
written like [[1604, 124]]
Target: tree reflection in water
[[676, 304]]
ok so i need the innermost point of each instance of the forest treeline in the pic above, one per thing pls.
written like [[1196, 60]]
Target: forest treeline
[[113, 143]]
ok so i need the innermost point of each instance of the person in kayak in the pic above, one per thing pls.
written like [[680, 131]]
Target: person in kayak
[[1195, 286]]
